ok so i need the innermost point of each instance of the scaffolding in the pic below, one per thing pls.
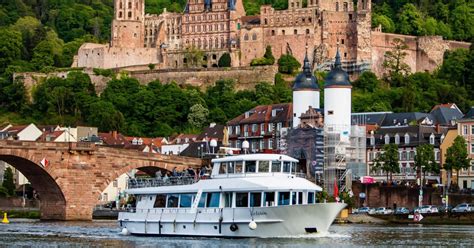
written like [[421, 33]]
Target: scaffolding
[[344, 156]]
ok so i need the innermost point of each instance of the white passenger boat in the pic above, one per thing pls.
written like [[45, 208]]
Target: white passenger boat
[[257, 195]]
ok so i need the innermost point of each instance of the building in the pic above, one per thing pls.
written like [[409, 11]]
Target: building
[[407, 138], [262, 127], [217, 27], [178, 144], [466, 130]]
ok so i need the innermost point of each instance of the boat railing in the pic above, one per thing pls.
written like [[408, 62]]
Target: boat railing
[[174, 210], [135, 183]]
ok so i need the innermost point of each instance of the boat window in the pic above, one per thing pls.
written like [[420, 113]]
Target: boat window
[[228, 199], [276, 166], [310, 197], [202, 201], [173, 200], [231, 167], [238, 166], [186, 200], [286, 167], [223, 168], [250, 166], [263, 166], [269, 199], [293, 168], [242, 200], [300, 197], [255, 199], [293, 198], [213, 200], [160, 201], [283, 198]]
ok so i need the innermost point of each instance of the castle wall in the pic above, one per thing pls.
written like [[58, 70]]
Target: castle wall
[[103, 56], [245, 77], [424, 53]]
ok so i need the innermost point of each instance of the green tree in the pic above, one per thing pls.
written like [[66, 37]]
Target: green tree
[[394, 61], [456, 157], [225, 60], [198, 115], [105, 117], [10, 47], [8, 183], [287, 64], [388, 26], [425, 160], [462, 21], [194, 57], [367, 82], [269, 55], [387, 161], [410, 20], [12, 95]]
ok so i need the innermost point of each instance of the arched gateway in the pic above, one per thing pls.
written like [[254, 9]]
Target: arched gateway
[[72, 175]]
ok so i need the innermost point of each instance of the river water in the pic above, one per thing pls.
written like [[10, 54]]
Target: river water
[[26, 233]]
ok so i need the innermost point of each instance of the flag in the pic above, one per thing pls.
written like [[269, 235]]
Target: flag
[[44, 162], [336, 189]]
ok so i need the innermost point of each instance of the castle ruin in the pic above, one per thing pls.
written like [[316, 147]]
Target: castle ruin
[[216, 27]]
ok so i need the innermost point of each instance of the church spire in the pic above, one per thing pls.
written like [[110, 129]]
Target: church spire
[[306, 65], [337, 63]]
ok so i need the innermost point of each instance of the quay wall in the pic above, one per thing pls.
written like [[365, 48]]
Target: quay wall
[[403, 196]]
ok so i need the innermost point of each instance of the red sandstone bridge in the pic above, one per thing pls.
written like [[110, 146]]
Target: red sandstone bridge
[[69, 185]]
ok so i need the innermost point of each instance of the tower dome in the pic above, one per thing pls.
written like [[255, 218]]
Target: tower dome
[[337, 76], [305, 92], [306, 80], [338, 100]]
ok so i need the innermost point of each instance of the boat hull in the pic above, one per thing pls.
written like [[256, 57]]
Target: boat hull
[[233, 222]]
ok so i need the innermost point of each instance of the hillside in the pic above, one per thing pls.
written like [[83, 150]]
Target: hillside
[[45, 35]]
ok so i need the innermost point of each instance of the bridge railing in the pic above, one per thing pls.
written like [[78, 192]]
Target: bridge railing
[[135, 183]]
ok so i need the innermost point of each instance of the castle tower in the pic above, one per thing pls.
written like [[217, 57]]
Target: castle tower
[[337, 99], [295, 4], [128, 24], [364, 29], [305, 92]]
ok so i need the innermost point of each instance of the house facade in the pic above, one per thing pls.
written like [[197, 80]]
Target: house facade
[[466, 130]]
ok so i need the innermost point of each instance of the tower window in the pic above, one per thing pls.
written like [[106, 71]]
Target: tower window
[[120, 14], [330, 112], [129, 5], [129, 14]]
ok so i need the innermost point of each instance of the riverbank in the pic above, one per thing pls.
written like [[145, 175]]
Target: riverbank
[[22, 213]]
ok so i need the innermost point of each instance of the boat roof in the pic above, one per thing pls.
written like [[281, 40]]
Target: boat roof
[[245, 184], [260, 156]]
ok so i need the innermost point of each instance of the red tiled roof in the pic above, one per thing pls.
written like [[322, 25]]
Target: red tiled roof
[[263, 113], [113, 139], [53, 135]]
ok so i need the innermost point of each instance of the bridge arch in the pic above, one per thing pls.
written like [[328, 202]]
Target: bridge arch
[[52, 200], [70, 185]]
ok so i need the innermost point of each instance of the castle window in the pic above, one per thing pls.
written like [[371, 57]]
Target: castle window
[[342, 41], [337, 6], [121, 6], [129, 5], [345, 55], [346, 8], [129, 14], [307, 31], [120, 14], [216, 43], [273, 32], [295, 31], [283, 32], [246, 37], [254, 36], [265, 21], [292, 5], [310, 19], [136, 5]]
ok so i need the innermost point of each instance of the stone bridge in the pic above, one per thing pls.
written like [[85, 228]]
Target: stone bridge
[[69, 185]]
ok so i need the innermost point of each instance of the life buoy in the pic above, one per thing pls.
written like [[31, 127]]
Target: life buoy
[[234, 227]]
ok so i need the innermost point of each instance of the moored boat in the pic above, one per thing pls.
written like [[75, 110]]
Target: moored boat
[[257, 195]]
